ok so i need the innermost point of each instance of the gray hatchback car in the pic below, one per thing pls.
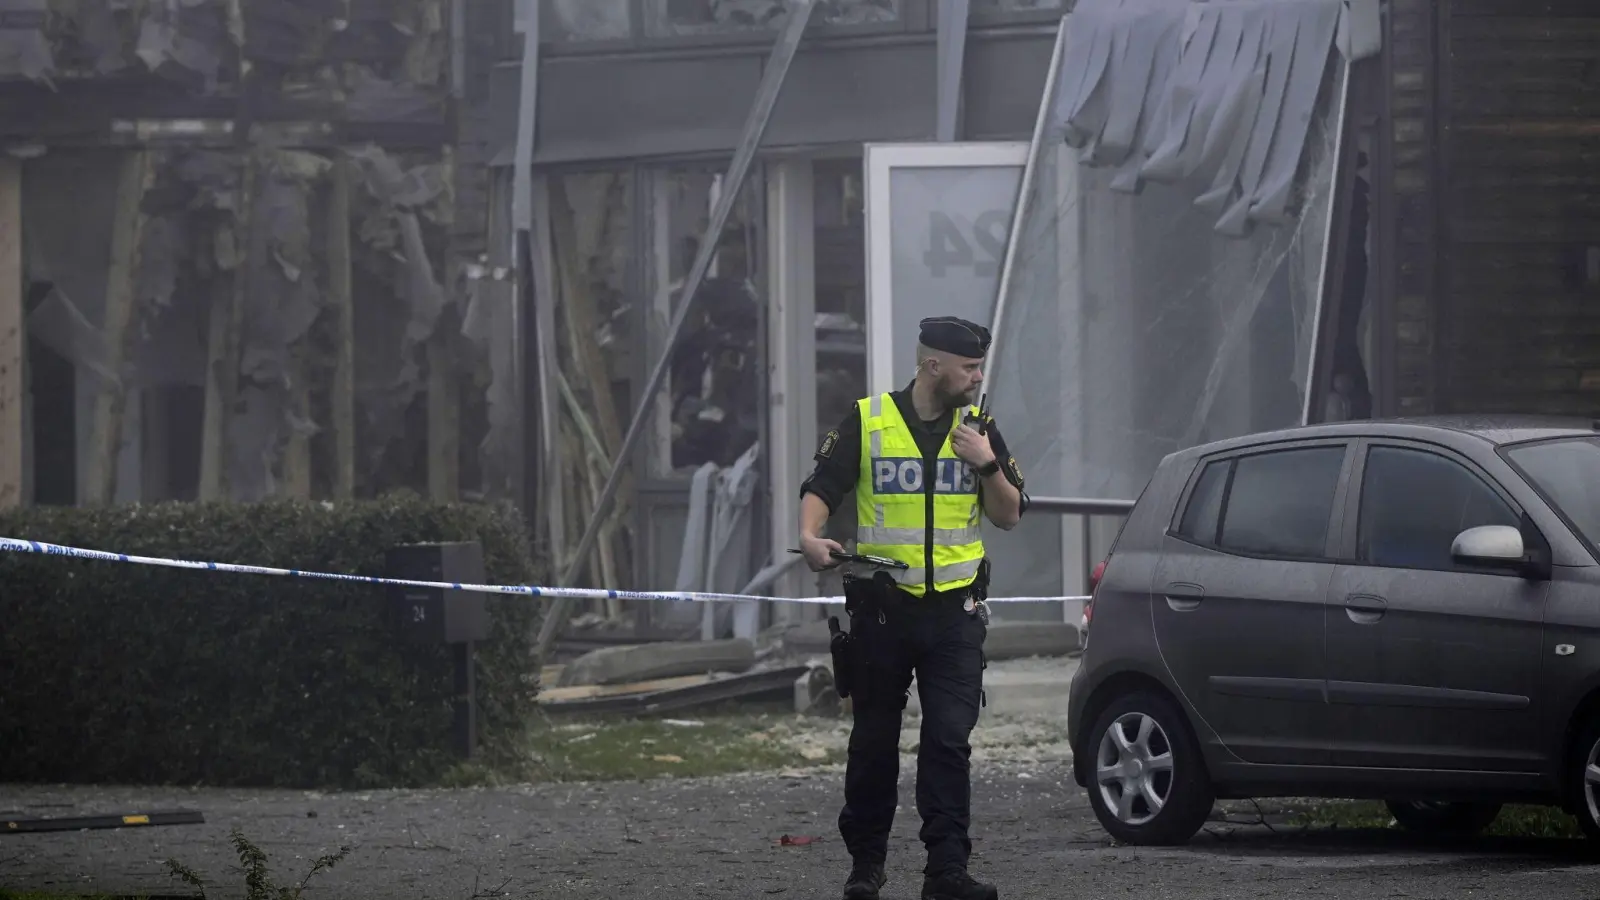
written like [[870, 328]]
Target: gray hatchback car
[[1404, 610]]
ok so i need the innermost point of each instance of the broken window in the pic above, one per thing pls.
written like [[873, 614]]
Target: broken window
[[841, 289], [710, 408], [675, 18], [591, 226], [1005, 6], [1347, 337], [583, 20], [592, 242]]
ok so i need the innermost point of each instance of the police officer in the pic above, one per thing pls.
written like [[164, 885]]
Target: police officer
[[923, 464]]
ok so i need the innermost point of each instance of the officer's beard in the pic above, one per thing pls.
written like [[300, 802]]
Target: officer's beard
[[950, 399]]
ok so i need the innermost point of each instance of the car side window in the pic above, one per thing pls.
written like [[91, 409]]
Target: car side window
[[1204, 509], [1280, 502], [1414, 503]]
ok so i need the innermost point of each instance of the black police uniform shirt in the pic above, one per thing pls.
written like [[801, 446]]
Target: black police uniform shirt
[[838, 455]]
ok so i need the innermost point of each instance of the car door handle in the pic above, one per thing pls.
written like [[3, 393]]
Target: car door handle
[[1365, 609], [1183, 596]]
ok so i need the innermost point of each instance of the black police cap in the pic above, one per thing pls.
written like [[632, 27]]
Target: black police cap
[[955, 335]]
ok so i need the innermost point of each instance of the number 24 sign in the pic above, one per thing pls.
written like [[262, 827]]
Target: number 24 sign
[[981, 248]]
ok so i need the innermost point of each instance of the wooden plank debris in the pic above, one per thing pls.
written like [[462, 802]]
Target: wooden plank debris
[[122, 278], [13, 341], [444, 380], [343, 401], [618, 665], [591, 691], [671, 695], [225, 324]]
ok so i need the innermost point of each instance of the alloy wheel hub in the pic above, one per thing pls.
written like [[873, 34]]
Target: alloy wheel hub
[[1133, 768]]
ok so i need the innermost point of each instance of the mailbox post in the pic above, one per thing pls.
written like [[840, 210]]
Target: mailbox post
[[442, 615]]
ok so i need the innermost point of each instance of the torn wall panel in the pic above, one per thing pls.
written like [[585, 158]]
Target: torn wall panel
[[1218, 96]]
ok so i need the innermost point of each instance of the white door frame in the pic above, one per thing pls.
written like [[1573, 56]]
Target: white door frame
[[879, 163], [792, 368]]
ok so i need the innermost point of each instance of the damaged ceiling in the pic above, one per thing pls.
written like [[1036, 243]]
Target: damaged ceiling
[[358, 70], [1219, 95]]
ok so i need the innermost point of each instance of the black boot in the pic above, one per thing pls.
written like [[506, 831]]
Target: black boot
[[957, 885], [864, 882]]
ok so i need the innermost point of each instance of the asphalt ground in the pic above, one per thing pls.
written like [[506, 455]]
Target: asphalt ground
[[724, 837]]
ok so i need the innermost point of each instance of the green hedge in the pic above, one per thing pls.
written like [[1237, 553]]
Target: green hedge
[[111, 672]]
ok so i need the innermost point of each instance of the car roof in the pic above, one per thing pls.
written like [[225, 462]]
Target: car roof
[[1496, 430]]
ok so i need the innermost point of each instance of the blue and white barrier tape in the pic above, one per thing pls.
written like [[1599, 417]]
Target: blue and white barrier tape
[[12, 545]]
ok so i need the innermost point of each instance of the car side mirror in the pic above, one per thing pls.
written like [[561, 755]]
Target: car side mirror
[[1499, 546]]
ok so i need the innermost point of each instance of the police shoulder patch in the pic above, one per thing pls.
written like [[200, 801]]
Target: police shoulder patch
[[1016, 470], [829, 441]]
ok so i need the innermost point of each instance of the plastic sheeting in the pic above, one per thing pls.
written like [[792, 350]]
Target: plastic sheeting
[[1217, 95], [1166, 280]]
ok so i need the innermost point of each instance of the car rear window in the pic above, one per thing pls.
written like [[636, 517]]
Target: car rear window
[[1276, 504], [1204, 511], [1279, 503]]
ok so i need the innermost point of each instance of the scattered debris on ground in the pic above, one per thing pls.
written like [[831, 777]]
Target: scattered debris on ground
[[738, 736], [1029, 661]]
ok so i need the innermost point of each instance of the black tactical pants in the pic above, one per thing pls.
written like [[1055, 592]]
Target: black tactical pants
[[943, 644]]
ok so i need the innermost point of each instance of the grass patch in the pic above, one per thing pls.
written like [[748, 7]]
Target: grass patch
[[1515, 820], [691, 746]]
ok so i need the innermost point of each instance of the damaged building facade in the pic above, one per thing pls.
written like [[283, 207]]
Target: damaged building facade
[[250, 240], [1146, 305], [274, 247]]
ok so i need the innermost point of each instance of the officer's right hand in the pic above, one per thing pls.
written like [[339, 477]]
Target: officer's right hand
[[817, 552]]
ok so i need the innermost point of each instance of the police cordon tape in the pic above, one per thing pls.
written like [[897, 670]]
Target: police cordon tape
[[13, 545]]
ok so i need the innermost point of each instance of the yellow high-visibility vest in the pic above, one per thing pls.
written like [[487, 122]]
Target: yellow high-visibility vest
[[892, 503]]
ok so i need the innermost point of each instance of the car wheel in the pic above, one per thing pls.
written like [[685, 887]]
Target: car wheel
[[1443, 818], [1148, 783], [1583, 779]]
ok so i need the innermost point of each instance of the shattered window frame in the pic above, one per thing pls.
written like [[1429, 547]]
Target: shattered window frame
[[657, 25], [1015, 12], [839, 186], [657, 306], [556, 30]]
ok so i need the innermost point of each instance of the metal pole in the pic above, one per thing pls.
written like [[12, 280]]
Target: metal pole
[[1040, 127], [527, 118], [1083, 506], [1314, 385], [951, 41], [755, 128]]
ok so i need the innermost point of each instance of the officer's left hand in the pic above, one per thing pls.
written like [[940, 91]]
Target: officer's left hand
[[972, 447]]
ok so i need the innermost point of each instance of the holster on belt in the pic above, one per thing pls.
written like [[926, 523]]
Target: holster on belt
[[858, 597], [980, 586], [862, 597], [843, 665]]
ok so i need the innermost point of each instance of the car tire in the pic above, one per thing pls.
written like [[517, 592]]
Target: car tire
[[1444, 819], [1584, 790], [1133, 732]]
